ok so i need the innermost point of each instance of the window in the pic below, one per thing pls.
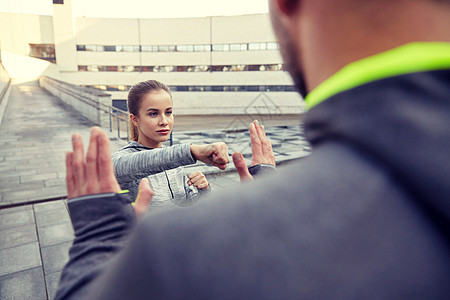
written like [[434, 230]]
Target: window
[[290, 88], [58, 1], [163, 49], [110, 48], [202, 48], [181, 88], [275, 67], [221, 47], [82, 68], [253, 46], [185, 48], [254, 67], [147, 48], [130, 48], [111, 68], [81, 48], [128, 68], [167, 68], [92, 68], [203, 68], [120, 104], [253, 88], [235, 47], [238, 67], [218, 47], [147, 68], [100, 87], [196, 89], [90, 48], [272, 46], [43, 51]]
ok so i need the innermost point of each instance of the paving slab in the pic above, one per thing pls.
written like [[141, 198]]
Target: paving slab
[[55, 234], [52, 281], [55, 257], [16, 236], [19, 258], [17, 217], [26, 285]]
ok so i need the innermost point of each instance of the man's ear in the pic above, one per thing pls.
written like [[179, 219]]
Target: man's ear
[[288, 7], [134, 120]]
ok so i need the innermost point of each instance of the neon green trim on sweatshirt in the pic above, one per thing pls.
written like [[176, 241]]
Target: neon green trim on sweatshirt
[[409, 58]]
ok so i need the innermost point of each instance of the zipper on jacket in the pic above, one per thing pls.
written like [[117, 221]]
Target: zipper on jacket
[[168, 183]]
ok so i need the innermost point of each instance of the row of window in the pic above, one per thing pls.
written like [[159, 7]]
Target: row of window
[[199, 68], [181, 48], [207, 88], [43, 51]]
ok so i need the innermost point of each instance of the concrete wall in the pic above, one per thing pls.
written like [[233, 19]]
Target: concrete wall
[[64, 36], [5, 90], [93, 105]]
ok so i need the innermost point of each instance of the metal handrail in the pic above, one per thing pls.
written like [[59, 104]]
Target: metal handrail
[[113, 112]]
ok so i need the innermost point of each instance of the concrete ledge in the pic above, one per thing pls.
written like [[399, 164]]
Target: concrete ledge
[[91, 103], [4, 98]]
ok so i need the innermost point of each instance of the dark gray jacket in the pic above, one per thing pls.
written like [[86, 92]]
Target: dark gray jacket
[[366, 216]]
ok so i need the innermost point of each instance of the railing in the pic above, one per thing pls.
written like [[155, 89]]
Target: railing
[[91, 103], [119, 116]]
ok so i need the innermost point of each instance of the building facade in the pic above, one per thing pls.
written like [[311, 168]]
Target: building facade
[[213, 65]]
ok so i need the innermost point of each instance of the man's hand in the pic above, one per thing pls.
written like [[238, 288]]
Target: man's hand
[[198, 179], [143, 198], [215, 154], [94, 175], [262, 152]]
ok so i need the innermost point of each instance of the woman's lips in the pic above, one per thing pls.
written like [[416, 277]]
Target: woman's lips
[[164, 131]]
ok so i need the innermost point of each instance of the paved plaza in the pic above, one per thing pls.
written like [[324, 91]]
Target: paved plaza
[[35, 134]]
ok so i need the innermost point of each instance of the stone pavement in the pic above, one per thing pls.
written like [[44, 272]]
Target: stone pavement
[[35, 228]]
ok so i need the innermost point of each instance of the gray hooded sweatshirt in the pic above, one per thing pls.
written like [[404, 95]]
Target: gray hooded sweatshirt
[[164, 170]]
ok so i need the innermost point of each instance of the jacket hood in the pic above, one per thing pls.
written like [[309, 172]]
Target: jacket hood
[[135, 145], [403, 123]]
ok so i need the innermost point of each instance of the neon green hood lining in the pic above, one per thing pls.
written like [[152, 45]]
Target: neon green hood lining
[[409, 58]]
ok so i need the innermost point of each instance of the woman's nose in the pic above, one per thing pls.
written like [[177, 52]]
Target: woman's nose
[[163, 120]]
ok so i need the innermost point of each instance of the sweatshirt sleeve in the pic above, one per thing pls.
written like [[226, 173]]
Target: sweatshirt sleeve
[[193, 194], [130, 166], [101, 223]]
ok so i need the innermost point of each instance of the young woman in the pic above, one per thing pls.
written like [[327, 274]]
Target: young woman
[[151, 121]]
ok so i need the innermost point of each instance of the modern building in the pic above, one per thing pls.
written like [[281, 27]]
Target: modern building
[[213, 65]]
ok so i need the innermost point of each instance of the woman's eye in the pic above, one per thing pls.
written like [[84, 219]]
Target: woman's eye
[[168, 113], [153, 114]]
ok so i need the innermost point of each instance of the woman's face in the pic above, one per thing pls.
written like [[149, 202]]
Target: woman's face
[[155, 119]]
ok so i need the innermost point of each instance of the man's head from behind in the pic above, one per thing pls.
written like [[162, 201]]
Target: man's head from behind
[[319, 37]]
